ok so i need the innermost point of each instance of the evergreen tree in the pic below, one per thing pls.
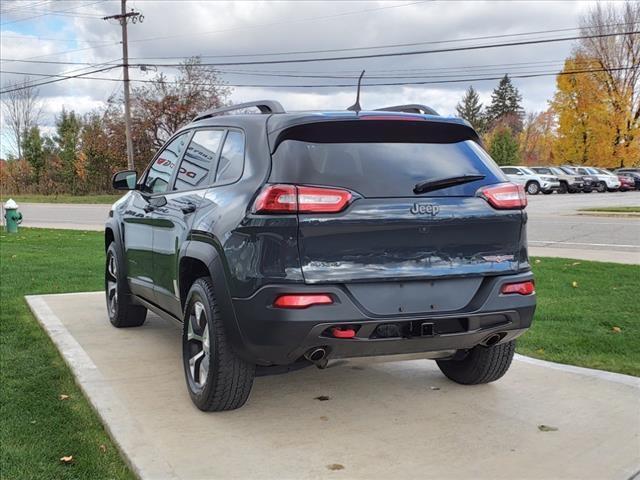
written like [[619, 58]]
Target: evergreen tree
[[470, 109], [67, 139], [33, 150], [504, 147], [505, 105]]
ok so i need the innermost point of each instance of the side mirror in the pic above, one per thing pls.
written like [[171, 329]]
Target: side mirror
[[125, 180]]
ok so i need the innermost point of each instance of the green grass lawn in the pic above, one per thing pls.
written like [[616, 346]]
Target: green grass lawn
[[573, 324], [36, 427], [629, 209], [106, 199]]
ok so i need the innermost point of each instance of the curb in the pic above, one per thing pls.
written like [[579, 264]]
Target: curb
[[588, 372], [609, 214]]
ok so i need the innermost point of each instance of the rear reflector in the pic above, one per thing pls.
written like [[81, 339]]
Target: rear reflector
[[504, 196], [521, 288], [301, 301], [301, 199]]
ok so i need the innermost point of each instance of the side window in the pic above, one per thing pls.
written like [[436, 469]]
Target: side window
[[509, 170], [159, 173], [231, 158], [199, 159]]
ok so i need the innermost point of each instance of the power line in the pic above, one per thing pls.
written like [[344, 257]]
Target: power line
[[396, 45], [336, 85], [63, 77], [52, 12], [408, 53], [367, 56]]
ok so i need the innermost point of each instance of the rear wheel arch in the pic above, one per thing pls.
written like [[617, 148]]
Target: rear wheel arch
[[190, 270], [200, 251], [109, 237]]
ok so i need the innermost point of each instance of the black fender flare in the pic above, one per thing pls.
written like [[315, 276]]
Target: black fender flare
[[114, 226], [204, 247]]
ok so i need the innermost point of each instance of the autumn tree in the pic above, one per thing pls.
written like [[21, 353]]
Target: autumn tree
[[22, 109], [103, 146], [618, 83], [470, 109], [586, 119], [537, 138], [505, 106], [161, 107]]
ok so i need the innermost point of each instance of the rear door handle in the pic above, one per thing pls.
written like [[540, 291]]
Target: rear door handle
[[189, 208]]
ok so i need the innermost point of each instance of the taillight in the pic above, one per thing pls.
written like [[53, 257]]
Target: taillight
[[521, 288], [301, 199], [277, 199], [505, 196], [302, 300]]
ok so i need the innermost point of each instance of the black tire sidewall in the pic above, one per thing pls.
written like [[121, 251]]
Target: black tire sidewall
[[200, 394], [120, 288]]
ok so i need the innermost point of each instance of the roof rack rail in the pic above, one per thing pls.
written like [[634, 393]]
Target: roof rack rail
[[265, 106], [411, 108]]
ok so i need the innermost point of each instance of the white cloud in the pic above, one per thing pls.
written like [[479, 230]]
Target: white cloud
[[241, 28]]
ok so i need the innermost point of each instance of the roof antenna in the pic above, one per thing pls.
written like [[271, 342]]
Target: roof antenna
[[356, 106]]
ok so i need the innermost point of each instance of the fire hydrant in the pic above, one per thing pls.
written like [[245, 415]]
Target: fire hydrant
[[12, 216]]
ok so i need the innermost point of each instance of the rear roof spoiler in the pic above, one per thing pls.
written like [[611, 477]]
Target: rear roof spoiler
[[265, 107], [354, 130], [411, 108]]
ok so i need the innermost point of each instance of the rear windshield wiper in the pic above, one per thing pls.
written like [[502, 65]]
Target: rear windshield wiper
[[431, 185]]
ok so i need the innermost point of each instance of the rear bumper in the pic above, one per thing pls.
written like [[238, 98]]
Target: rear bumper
[[272, 336]]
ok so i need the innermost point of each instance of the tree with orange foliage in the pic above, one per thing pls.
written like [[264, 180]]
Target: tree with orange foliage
[[584, 118], [537, 138]]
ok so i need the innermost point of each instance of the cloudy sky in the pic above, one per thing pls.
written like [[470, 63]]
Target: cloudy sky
[[232, 32]]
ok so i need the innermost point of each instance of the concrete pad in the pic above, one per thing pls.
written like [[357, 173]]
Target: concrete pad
[[386, 418]]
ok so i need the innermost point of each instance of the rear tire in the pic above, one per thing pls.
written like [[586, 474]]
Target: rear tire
[[217, 379], [481, 365], [122, 311], [564, 188], [533, 188], [602, 187]]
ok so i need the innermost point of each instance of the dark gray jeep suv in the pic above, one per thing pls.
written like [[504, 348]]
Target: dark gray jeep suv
[[280, 240]]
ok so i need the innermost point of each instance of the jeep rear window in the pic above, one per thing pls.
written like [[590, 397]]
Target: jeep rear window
[[383, 169]]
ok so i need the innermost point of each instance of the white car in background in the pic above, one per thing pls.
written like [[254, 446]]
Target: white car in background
[[533, 182], [607, 181]]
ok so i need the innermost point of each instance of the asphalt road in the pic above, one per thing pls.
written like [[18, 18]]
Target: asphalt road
[[555, 227]]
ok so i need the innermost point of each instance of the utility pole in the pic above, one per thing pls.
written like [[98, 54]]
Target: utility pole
[[123, 18]]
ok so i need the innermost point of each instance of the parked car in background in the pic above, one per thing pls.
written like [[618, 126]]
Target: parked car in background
[[635, 176], [568, 182], [533, 182], [590, 181], [626, 183], [612, 175], [627, 170], [605, 181]]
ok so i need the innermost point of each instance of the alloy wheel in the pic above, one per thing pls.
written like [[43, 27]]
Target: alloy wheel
[[198, 345], [111, 275]]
